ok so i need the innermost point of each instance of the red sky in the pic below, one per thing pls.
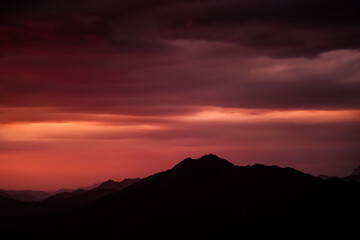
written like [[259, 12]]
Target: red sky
[[92, 90]]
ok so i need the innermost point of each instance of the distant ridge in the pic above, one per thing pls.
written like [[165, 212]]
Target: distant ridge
[[207, 198], [63, 190], [111, 184], [356, 171], [25, 195], [355, 176], [69, 200], [35, 196]]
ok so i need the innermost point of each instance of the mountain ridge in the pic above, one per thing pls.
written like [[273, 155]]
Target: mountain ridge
[[356, 171], [209, 199]]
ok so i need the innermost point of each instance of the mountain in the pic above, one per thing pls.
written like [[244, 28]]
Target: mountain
[[25, 195], [67, 200], [325, 177], [7, 203], [35, 196], [110, 184], [4, 194], [101, 190], [210, 198], [63, 190], [11, 210], [356, 171], [355, 176]]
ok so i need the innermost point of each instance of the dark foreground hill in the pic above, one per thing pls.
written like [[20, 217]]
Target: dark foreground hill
[[210, 198], [12, 210]]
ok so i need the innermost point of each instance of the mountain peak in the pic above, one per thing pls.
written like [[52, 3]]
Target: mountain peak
[[207, 161], [108, 184], [213, 159], [209, 157], [109, 181], [111, 184]]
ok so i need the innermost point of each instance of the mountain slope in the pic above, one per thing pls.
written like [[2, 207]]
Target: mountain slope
[[210, 198], [35, 196], [67, 200], [356, 171], [26, 195], [12, 210], [110, 184], [355, 176]]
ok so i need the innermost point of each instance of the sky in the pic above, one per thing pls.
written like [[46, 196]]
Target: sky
[[92, 90]]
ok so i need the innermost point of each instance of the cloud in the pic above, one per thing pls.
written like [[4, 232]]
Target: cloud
[[314, 147], [181, 82], [7, 146], [275, 28], [131, 84]]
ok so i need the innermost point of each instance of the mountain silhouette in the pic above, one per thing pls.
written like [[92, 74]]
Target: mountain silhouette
[[11, 210], [356, 171], [25, 195], [63, 190], [355, 176], [114, 185], [210, 198], [67, 200], [35, 196]]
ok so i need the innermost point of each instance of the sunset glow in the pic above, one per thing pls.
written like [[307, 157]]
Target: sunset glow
[[88, 94]]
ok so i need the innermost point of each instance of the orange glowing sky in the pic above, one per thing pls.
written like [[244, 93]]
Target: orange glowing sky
[[68, 153], [87, 94]]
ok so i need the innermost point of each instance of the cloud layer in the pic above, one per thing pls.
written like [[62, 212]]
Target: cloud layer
[[278, 28], [131, 87]]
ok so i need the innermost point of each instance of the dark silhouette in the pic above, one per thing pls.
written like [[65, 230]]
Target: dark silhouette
[[25, 195], [209, 198], [63, 190], [12, 210], [113, 185], [355, 176], [356, 171], [67, 200], [325, 177], [35, 196]]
